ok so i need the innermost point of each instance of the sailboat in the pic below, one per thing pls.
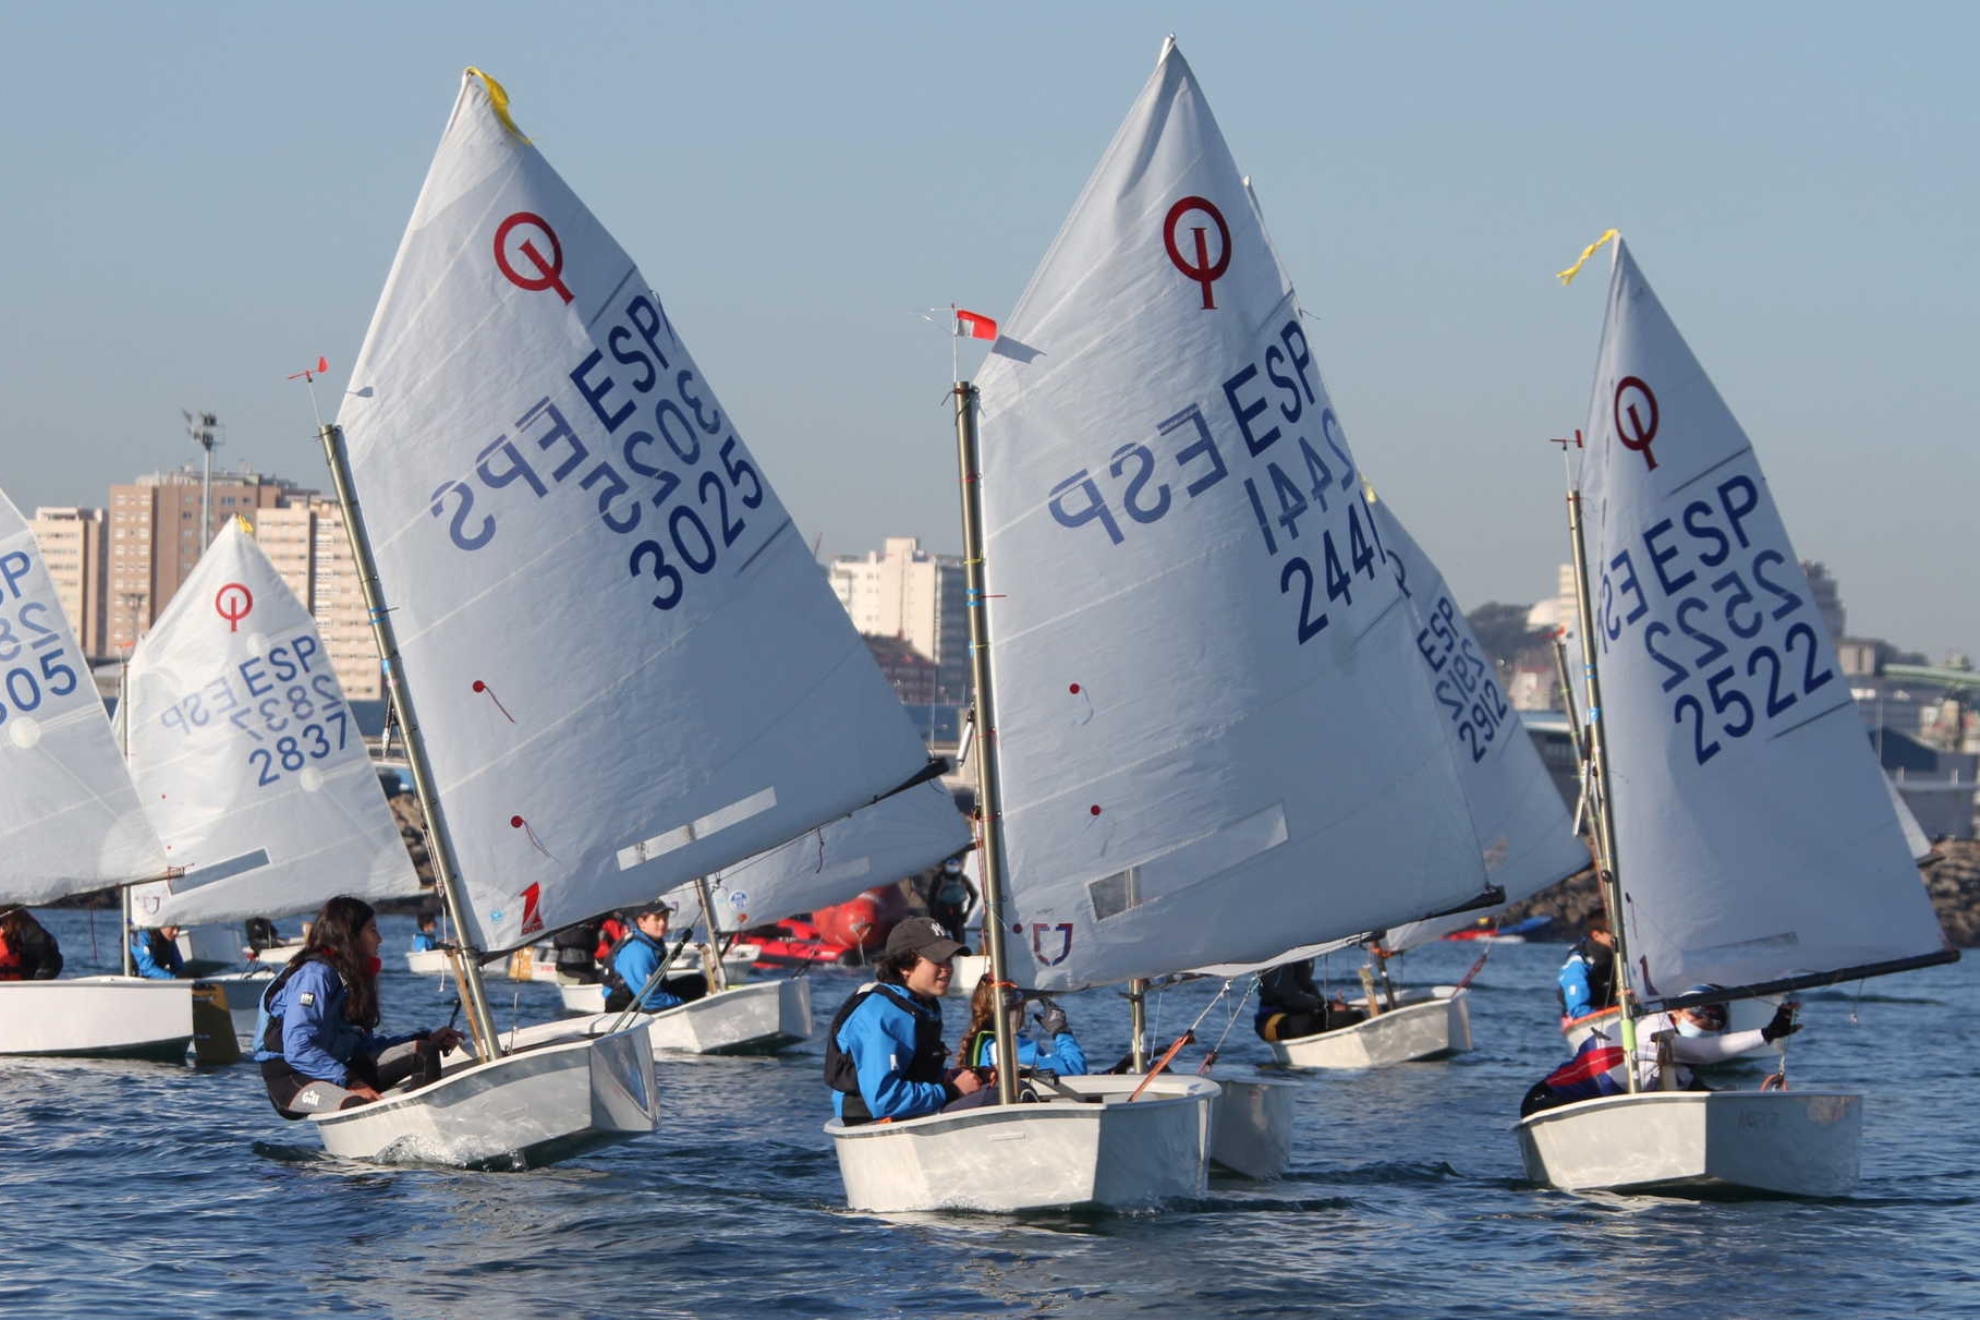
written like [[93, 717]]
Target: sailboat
[[613, 658], [1523, 831], [69, 823], [900, 834], [248, 762], [1180, 603], [1748, 843]]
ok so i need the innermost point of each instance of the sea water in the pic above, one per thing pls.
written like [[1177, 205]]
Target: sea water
[[152, 1190]]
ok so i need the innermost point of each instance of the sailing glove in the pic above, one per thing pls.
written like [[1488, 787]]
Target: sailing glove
[[1052, 1022], [1782, 1025]]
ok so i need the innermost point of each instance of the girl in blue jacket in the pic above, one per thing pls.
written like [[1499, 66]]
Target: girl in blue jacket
[[317, 1040], [1061, 1053]]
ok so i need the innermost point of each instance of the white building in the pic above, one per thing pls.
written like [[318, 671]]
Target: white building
[[906, 593]]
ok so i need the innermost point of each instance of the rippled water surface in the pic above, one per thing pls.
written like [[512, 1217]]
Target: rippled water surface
[[149, 1190]]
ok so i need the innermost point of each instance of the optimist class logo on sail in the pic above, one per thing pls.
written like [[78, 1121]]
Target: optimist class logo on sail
[[1269, 425], [640, 433], [1712, 592]]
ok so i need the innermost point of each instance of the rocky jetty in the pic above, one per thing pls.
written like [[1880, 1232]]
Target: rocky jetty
[[1953, 881]]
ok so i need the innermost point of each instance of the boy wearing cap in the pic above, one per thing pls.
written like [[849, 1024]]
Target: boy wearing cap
[[884, 1057], [636, 957]]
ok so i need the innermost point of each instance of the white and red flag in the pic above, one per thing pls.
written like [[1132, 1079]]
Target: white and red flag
[[974, 325]]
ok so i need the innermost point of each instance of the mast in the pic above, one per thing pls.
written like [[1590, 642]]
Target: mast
[[711, 957], [128, 963], [1138, 1021], [989, 788], [481, 1020], [1598, 770]]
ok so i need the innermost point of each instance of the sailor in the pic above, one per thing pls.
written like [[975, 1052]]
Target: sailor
[[155, 954], [636, 957], [576, 948], [1587, 980], [1697, 1036], [951, 897], [1683, 1037], [884, 1057], [1290, 1005], [423, 938], [316, 1039], [261, 934], [1054, 1047], [27, 951]]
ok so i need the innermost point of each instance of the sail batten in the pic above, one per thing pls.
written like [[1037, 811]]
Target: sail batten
[[626, 671], [1757, 845]]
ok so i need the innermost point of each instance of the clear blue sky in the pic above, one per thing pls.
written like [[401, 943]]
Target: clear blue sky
[[201, 198]]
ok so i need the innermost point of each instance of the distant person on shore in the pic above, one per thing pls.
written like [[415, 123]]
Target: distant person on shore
[[27, 951], [316, 1038], [424, 939], [1290, 1005], [635, 959], [884, 1056], [1587, 980], [1054, 1047], [155, 954]]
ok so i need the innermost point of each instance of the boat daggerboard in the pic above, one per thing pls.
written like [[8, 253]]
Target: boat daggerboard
[[246, 756], [1215, 738], [69, 818], [1755, 843], [627, 667], [897, 836], [1523, 828]]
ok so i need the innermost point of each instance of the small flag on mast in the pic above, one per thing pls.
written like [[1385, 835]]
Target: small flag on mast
[[973, 325]]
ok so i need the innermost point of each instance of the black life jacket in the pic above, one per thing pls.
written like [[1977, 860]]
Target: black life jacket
[[574, 946], [842, 1074], [161, 949], [610, 978], [1601, 963]]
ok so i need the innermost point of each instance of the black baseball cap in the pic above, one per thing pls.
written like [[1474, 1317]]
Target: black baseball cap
[[924, 937]]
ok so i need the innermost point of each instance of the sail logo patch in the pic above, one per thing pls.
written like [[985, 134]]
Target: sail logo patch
[[233, 602], [1636, 434], [1205, 271], [548, 272], [1040, 931], [532, 917]]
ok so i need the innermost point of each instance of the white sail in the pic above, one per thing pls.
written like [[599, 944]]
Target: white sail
[[1914, 833], [895, 837], [628, 668], [1755, 842], [69, 818], [246, 755], [1524, 831], [1215, 739]]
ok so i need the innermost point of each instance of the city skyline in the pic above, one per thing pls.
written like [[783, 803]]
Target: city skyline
[[801, 198]]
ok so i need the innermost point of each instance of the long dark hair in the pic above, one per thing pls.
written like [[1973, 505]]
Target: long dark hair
[[333, 937], [983, 1002]]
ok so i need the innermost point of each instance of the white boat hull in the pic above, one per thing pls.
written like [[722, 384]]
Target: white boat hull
[[1059, 1154], [1793, 1143], [428, 962], [759, 1018], [277, 955], [523, 1110], [1746, 1015], [1251, 1126], [1432, 1024], [114, 1017]]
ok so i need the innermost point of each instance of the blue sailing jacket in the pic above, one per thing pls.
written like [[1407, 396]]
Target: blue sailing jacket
[[317, 1040], [637, 959], [1065, 1057], [882, 1037], [161, 964]]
